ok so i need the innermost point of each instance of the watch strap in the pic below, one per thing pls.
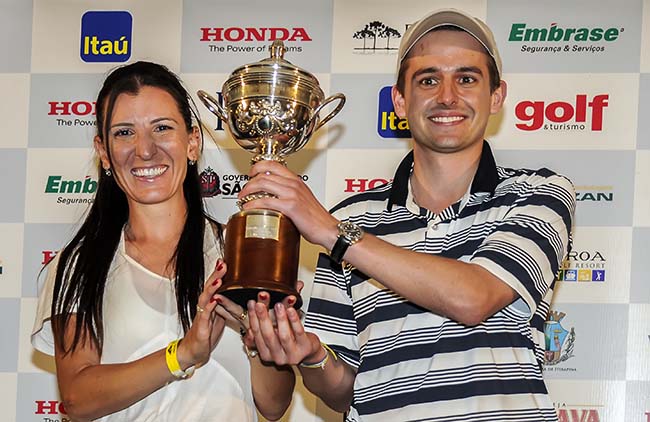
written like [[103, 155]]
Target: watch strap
[[339, 249]]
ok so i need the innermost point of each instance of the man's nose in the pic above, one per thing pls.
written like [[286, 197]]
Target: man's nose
[[448, 92]]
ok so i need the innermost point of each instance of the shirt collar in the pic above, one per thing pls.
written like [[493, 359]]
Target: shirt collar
[[485, 179]]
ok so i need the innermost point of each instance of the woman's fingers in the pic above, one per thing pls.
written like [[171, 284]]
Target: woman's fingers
[[218, 272], [231, 311]]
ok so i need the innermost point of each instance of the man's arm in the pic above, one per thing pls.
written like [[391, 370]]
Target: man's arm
[[465, 292], [287, 343]]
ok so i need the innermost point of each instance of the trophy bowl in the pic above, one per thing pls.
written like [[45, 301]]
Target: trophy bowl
[[271, 108]]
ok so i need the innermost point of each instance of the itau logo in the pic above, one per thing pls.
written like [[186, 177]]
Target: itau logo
[[376, 37], [389, 125], [559, 340], [106, 36]]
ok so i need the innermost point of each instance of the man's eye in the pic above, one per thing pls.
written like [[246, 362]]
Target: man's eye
[[467, 79], [428, 81]]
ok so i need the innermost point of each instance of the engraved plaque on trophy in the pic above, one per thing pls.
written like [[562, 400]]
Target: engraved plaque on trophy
[[271, 108]]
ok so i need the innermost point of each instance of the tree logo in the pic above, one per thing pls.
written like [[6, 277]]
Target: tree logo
[[373, 36]]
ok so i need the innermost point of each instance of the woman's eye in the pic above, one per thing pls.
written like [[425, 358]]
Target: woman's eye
[[122, 132], [162, 128]]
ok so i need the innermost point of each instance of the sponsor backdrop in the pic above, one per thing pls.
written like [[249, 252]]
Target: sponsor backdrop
[[579, 103]]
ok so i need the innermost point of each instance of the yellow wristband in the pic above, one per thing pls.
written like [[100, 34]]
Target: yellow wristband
[[322, 363], [172, 361]]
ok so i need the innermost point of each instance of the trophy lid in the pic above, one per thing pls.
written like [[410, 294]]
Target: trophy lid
[[272, 69]]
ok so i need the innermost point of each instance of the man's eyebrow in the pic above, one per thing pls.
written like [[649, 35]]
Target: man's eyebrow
[[470, 69], [425, 70], [462, 69]]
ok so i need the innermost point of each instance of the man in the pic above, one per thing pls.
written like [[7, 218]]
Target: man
[[437, 311]]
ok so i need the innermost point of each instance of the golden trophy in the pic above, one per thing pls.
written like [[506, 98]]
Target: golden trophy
[[271, 108]]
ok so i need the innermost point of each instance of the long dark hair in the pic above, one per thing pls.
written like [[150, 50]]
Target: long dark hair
[[84, 262]]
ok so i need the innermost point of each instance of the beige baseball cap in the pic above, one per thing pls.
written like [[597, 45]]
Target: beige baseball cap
[[450, 17]]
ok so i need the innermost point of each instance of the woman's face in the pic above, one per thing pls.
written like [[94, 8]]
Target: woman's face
[[149, 146]]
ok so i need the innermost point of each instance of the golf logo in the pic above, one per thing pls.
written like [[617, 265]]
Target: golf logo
[[583, 114]]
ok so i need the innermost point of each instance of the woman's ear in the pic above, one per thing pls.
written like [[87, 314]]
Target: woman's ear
[[194, 144], [100, 149]]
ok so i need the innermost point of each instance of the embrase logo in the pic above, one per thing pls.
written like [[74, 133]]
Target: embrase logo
[[562, 115], [56, 184], [521, 32], [106, 36]]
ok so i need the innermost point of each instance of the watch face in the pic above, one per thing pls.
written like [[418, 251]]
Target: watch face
[[350, 231]]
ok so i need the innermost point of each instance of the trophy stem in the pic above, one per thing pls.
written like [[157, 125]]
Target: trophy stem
[[268, 149]]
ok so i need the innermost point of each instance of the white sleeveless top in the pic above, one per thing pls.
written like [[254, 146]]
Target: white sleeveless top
[[140, 317]]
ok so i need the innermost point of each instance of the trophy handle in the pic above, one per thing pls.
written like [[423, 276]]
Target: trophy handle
[[212, 105], [332, 113]]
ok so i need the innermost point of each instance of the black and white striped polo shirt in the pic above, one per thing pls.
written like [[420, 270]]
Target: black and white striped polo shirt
[[414, 365]]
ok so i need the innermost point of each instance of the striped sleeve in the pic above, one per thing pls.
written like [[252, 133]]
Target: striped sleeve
[[331, 315], [526, 249]]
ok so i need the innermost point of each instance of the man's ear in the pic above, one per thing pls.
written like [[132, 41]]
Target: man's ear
[[100, 149], [498, 97], [398, 102]]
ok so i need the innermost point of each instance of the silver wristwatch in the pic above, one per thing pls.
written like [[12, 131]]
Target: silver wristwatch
[[349, 234]]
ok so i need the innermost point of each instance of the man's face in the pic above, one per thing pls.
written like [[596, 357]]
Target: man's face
[[446, 97]]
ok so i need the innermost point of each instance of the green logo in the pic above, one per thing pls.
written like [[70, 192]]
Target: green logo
[[521, 32], [56, 184]]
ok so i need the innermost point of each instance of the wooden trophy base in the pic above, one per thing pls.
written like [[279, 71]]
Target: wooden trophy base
[[262, 253]]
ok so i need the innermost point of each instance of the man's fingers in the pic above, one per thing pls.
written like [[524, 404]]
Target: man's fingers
[[254, 330], [269, 335]]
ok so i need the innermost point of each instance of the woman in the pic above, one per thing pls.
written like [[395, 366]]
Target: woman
[[126, 308]]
